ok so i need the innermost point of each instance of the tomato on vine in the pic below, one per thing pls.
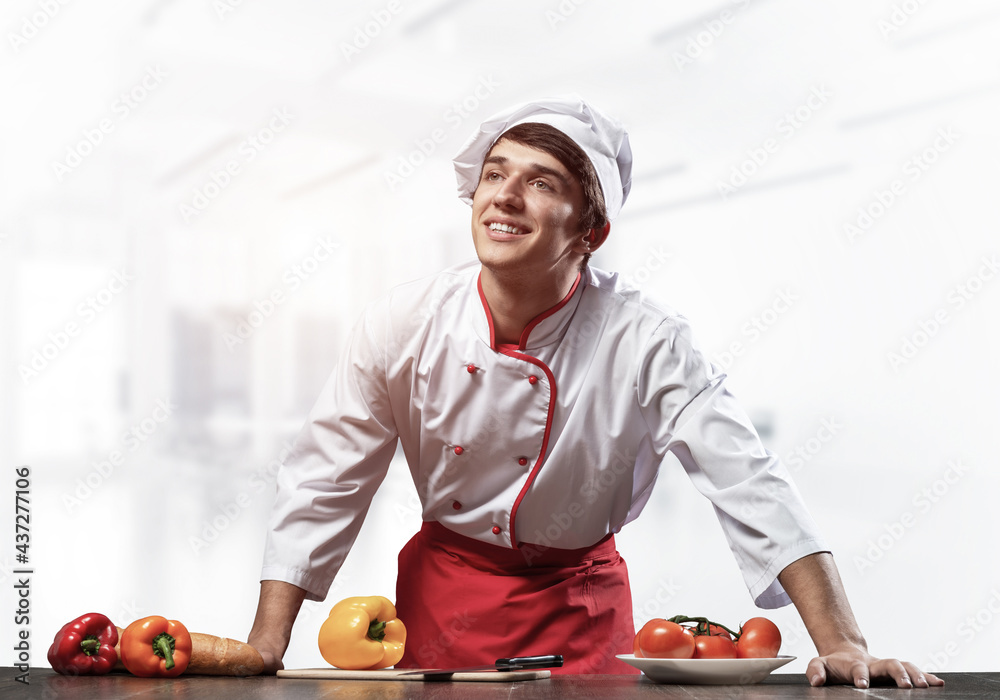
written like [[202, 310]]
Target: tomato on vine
[[662, 639], [759, 639], [711, 629], [678, 638], [714, 646]]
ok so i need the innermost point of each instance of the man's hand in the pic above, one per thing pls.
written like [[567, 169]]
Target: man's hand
[[813, 583], [271, 657], [857, 666]]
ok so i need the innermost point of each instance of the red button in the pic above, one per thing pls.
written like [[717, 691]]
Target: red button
[[456, 505], [522, 461], [532, 379], [496, 529], [471, 369], [458, 449]]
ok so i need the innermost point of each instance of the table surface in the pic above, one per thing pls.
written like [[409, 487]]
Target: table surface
[[44, 683]]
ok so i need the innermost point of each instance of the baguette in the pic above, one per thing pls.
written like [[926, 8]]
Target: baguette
[[118, 650], [220, 656]]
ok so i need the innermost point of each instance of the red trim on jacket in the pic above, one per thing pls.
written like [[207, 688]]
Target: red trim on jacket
[[545, 437], [545, 314], [511, 350], [486, 308], [523, 342]]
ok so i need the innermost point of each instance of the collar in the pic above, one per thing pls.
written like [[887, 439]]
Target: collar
[[544, 329]]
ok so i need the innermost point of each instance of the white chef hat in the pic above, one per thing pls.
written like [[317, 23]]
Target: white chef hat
[[601, 137]]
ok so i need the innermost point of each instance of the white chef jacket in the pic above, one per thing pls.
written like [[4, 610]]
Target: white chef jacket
[[556, 442]]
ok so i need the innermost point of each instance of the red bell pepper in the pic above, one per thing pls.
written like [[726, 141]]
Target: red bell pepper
[[85, 646]]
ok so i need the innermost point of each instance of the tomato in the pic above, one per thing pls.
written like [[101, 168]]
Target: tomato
[[714, 646], [759, 639], [662, 639]]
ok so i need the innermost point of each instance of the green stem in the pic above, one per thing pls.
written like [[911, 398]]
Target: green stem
[[163, 646], [376, 630], [684, 618], [90, 645]]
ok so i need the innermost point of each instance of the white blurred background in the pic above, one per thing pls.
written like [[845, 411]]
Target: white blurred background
[[814, 187]]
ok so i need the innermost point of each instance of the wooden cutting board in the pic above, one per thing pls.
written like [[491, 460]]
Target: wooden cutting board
[[392, 674]]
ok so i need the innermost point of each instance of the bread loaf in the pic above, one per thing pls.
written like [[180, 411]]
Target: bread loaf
[[220, 656], [118, 650]]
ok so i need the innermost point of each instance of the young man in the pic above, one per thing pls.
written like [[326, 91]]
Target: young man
[[529, 391]]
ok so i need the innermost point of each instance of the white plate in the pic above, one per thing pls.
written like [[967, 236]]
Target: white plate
[[707, 671]]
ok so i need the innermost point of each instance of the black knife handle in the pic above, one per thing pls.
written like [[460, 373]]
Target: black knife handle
[[549, 661]]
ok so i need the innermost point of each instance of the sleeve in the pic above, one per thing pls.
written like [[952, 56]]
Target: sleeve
[[691, 413], [338, 461]]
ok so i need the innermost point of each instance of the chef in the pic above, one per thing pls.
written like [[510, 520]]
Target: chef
[[535, 398]]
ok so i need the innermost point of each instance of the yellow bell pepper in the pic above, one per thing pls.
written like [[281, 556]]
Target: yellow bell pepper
[[362, 633]]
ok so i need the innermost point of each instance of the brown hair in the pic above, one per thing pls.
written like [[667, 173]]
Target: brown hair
[[549, 139]]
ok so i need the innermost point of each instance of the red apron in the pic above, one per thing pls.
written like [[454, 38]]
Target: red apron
[[466, 603]]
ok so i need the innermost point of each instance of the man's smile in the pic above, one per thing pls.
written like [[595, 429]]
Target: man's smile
[[505, 230]]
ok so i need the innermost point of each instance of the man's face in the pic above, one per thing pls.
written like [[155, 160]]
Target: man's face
[[526, 213]]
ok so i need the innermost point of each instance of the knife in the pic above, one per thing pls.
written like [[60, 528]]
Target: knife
[[517, 663]]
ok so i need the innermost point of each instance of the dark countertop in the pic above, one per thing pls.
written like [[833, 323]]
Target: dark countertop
[[45, 684]]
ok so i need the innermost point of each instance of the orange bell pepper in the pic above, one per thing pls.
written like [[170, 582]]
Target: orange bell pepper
[[156, 646], [362, 633]]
